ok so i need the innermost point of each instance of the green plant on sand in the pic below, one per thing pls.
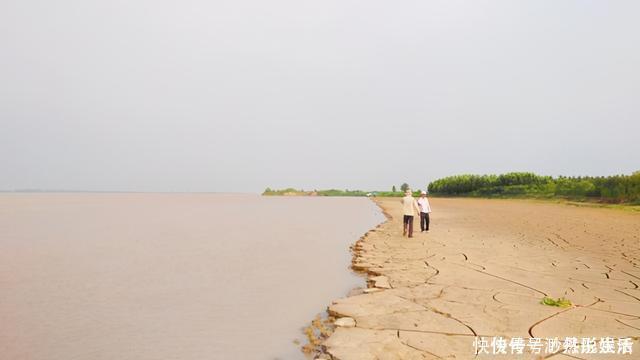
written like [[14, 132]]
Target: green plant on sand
[[560, 302]]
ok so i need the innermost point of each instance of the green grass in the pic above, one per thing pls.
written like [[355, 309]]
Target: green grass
[[559, 302]]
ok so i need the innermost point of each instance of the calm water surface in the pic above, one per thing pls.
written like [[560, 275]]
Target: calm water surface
[[170, 276]]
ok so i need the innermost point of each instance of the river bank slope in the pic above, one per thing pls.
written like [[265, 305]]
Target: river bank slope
[[482, 270]]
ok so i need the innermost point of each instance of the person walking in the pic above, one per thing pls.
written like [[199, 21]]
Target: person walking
[[409, 204], [425, 209]]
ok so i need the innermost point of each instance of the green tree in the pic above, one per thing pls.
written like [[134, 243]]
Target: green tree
[[614, 189], [393, 188], [404, 187]]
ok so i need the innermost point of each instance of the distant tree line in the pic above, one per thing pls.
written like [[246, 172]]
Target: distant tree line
[[329, 192], [334, 192], [612, 189]]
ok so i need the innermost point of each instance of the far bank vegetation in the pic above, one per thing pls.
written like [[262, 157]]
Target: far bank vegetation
[[616, 189]]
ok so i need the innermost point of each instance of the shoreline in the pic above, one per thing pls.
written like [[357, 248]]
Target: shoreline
[[425, 295], [323, 325], [356, 248]]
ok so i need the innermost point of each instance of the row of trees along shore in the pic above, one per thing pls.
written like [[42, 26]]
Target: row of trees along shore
[[609, 189], [337, 192], [617, 189]]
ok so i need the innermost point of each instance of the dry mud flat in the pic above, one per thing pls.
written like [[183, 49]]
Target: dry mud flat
[[482, 271]]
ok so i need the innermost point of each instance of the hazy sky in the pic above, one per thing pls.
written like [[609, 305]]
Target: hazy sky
[[240, 95]]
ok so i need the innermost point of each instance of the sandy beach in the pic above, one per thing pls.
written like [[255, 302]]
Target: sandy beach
[[482, 270]]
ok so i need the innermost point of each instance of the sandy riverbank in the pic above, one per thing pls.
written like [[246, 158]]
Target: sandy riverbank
[[482, 270]]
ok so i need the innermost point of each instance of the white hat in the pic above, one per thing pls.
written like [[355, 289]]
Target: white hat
[[423, 192]]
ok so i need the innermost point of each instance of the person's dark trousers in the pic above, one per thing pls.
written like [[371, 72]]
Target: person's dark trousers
[[424, 221], [408, 225]]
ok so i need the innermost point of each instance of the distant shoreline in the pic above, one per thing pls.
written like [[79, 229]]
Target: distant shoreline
[[595, 203], [620, 190], [118, 192]]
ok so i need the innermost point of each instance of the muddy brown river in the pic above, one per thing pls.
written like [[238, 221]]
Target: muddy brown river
[[170, 276]]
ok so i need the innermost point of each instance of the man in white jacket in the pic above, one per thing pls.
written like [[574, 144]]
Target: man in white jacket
[[408, 206], [425, 209]]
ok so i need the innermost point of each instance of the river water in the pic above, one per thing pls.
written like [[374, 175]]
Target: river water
[[170, 276]]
